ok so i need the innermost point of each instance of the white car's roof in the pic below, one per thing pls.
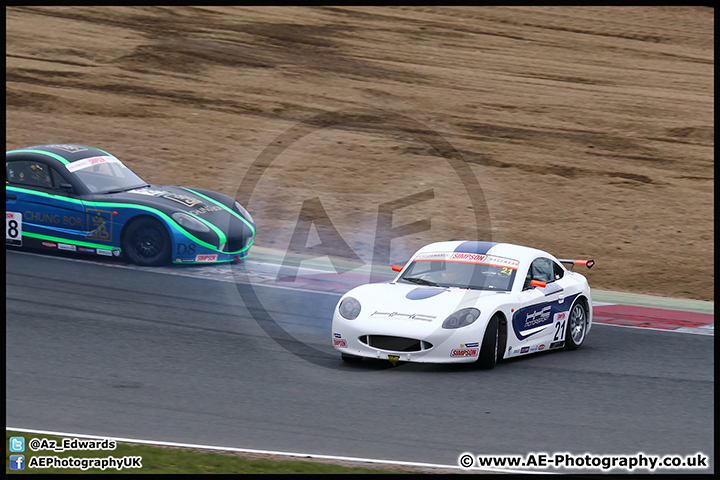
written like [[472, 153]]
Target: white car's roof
[[506, 250]]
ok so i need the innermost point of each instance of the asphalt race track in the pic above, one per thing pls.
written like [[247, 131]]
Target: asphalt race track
[[118, 352]]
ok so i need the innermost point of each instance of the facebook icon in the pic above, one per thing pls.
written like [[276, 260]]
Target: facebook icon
[[17, 462]]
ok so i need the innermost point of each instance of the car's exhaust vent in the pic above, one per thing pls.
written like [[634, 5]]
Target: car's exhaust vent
[[396, 344]]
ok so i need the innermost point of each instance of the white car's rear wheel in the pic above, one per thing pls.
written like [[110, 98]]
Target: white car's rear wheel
[[577, 326]]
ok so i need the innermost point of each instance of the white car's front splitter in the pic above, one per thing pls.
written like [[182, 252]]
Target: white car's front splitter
[[397, 342]]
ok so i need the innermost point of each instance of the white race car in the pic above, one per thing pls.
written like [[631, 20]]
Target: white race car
[[466, 301]]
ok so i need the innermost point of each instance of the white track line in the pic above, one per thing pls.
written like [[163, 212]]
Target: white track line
[[704, 330]]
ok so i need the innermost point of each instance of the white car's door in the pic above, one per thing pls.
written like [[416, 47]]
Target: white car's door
[[541, 319]]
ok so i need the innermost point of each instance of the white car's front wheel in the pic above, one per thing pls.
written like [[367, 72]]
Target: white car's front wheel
[[489, 346], [577, 326]]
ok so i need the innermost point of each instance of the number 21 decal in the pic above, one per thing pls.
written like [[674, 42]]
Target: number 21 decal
[[560, 320]]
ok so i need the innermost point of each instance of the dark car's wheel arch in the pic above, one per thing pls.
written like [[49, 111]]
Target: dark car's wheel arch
[[131, 228]]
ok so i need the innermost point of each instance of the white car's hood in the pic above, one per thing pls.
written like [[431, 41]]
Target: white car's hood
[[418, 303]]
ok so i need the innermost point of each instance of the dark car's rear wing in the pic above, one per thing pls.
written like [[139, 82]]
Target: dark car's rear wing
[[587, 263]]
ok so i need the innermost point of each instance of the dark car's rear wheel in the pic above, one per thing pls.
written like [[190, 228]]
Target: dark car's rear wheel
[[147, 242]]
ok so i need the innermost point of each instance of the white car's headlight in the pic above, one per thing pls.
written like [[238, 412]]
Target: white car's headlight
[[186, 221], [349, 308], [461, 318]]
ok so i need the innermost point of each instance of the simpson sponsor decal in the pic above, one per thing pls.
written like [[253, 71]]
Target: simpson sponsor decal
[[91, 161], [468, 258], [206, 258], [464, 352], [484, 259], [338, 341]]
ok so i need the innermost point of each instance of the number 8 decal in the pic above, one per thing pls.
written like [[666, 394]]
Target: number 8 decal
[[13, 228]]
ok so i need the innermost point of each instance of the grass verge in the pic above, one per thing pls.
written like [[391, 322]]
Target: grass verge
[[167, 460]]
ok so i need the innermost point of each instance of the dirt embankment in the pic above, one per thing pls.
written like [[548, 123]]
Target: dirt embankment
[[589, 130]]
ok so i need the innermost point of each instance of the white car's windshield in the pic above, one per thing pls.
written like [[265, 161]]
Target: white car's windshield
[[481, 272]]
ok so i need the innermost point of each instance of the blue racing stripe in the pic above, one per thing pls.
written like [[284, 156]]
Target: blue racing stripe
[[475, 247]]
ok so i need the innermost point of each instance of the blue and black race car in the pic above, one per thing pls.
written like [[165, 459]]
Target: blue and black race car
[[83, 199]]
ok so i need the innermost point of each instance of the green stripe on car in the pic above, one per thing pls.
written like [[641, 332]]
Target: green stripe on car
[[165, 217], [78, 243], [42, 152]]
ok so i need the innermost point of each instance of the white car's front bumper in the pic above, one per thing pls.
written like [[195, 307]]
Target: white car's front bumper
[[404, 341]]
